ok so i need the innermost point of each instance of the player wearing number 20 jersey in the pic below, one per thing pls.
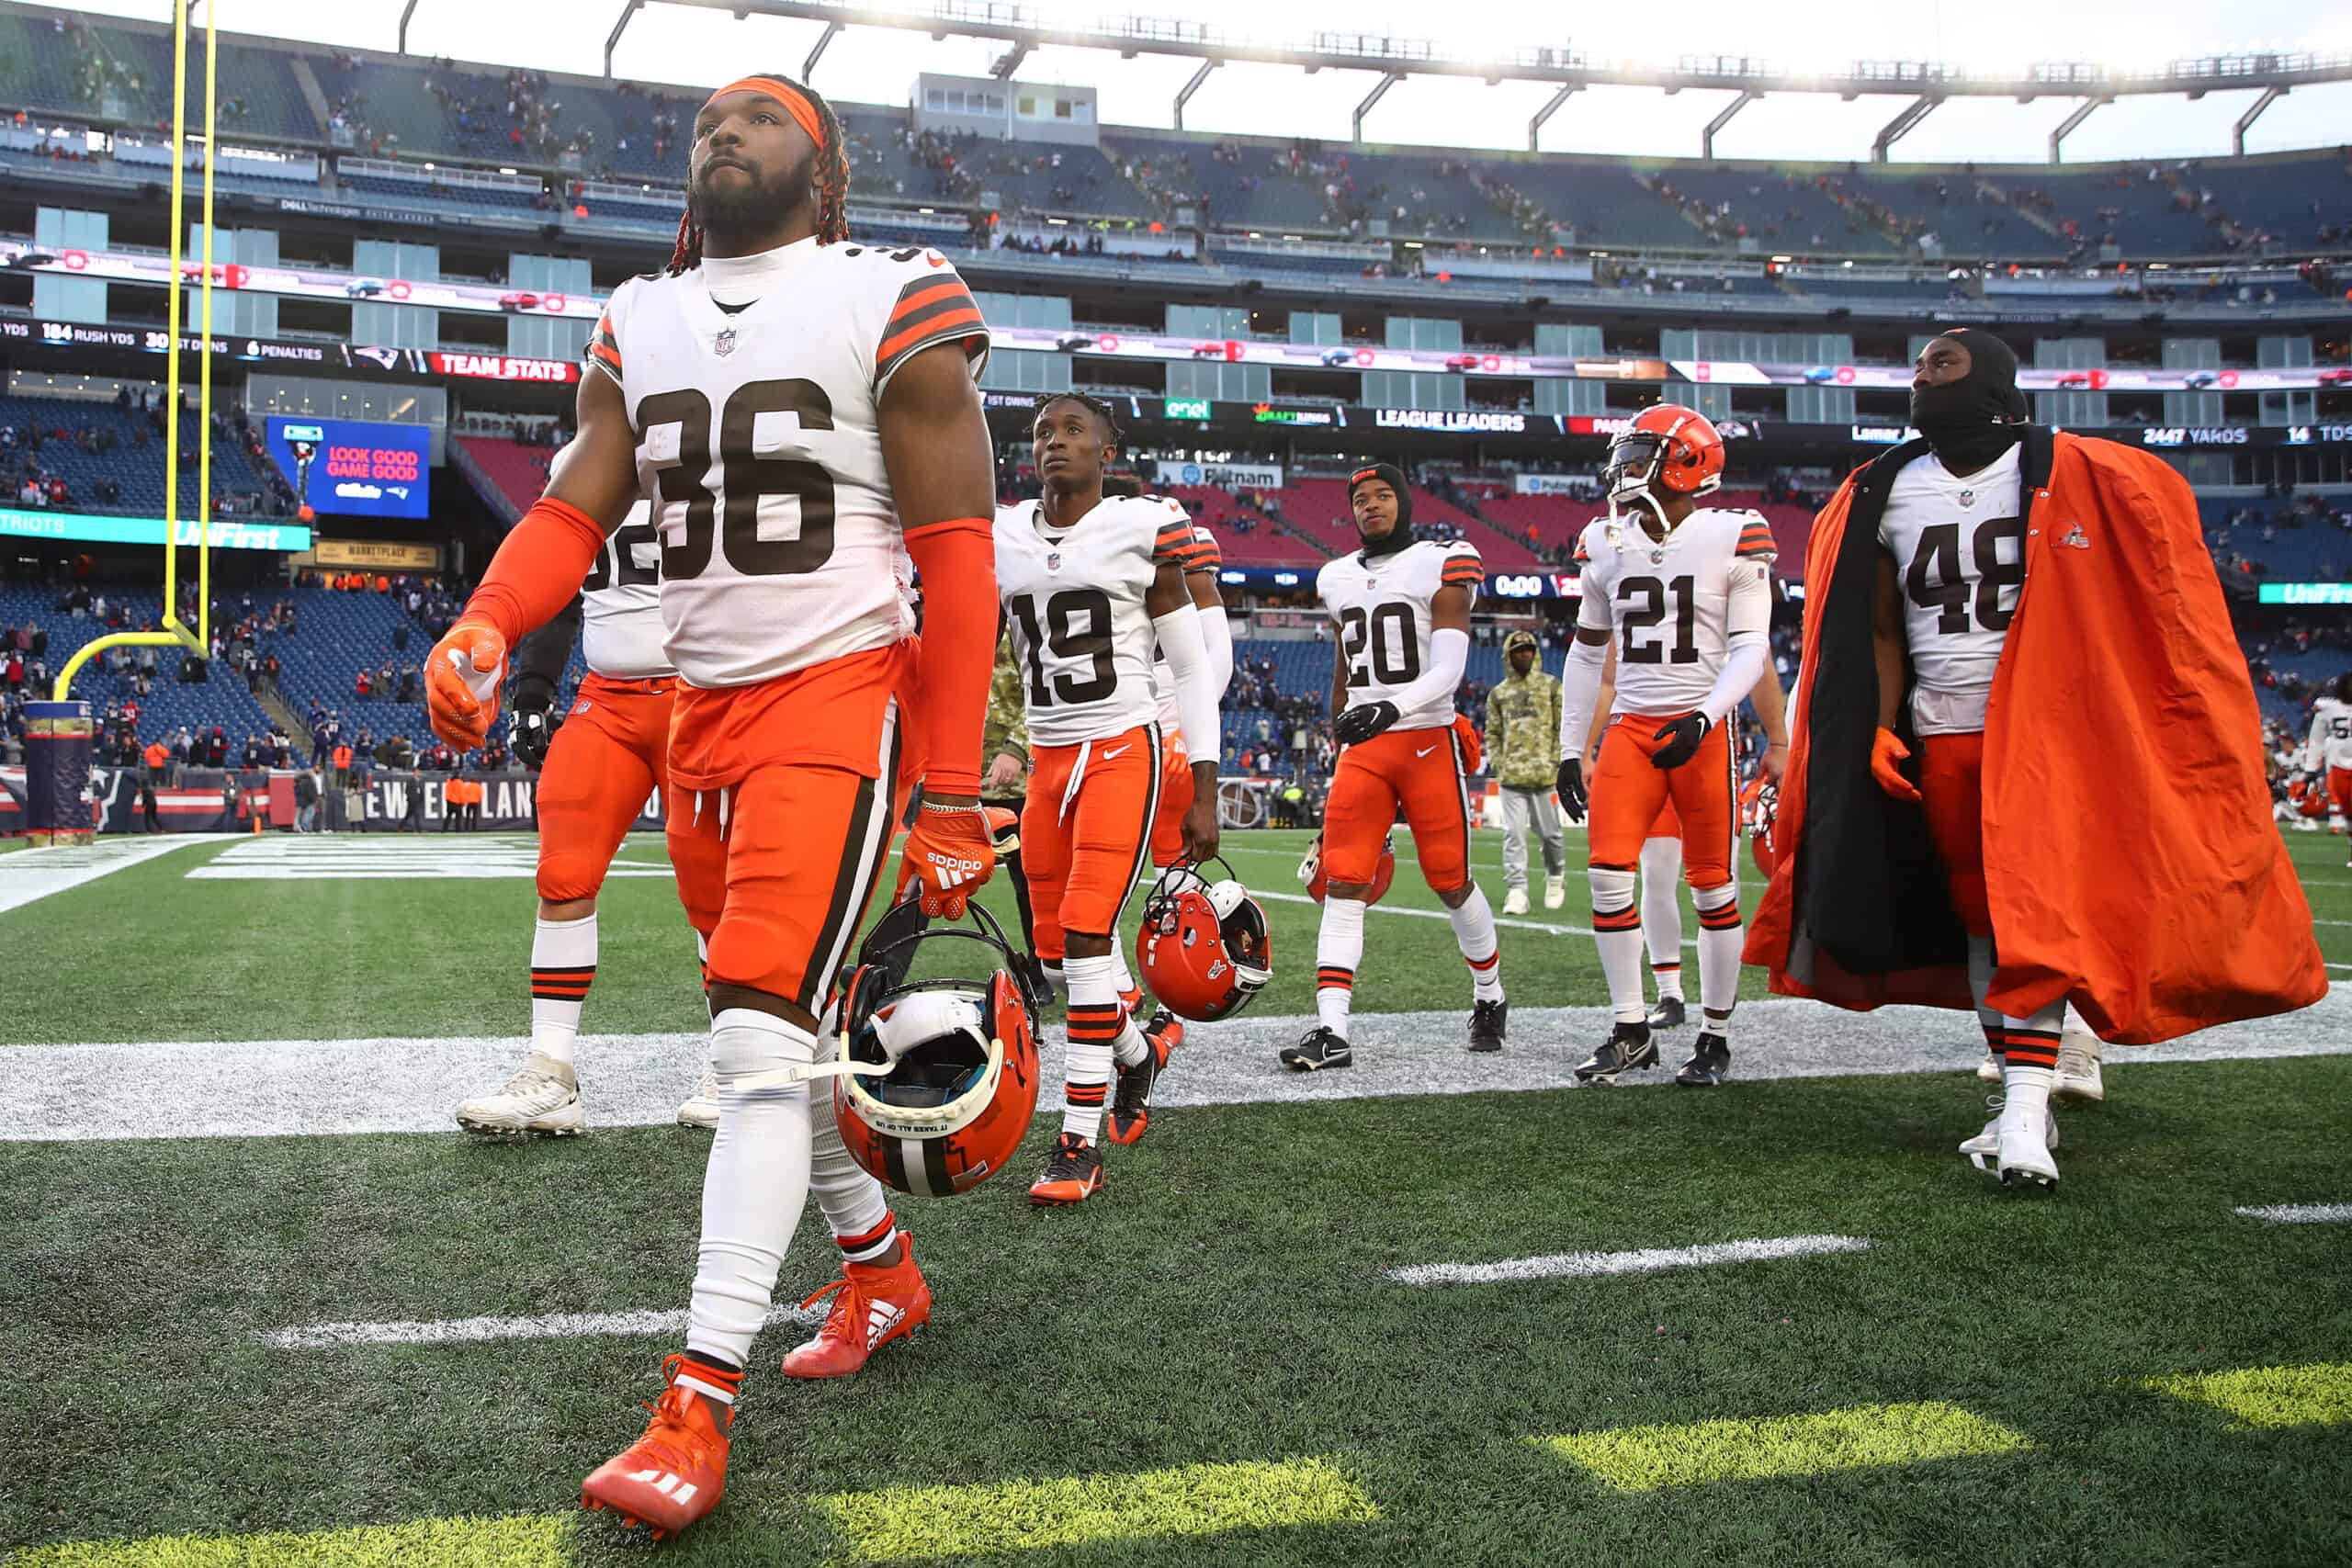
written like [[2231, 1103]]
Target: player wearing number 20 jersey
[[1402, 610]]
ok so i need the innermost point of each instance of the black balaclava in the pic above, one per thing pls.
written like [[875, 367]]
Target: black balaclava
[[1971, 422], [1400, 536]]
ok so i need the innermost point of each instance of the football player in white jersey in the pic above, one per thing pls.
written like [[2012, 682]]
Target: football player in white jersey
[[599, 765], [2330, 746], [1403, 610], [1688, 594], [1089, 583], [800, 411]]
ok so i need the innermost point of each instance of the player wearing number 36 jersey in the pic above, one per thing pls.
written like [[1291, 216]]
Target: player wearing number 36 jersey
[[1686, 593], [1402, 608], [1089, 584], [800, 412]]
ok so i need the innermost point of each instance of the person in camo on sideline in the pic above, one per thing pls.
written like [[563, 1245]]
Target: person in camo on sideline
[[1523, 745]]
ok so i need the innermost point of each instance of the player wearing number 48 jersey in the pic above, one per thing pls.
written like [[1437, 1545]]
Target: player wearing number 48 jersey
[[1687, 593], [599, 765], [1089, 584], [1403, 611], [2088, 821], [800, 412]]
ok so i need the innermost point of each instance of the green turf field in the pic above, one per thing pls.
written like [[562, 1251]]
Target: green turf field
[[1211, 1362]]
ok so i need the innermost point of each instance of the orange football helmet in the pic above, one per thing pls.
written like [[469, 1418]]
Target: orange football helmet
[[937, 1078], [1202, 948], [1669, 450], [1759, 806], [1310, 871]]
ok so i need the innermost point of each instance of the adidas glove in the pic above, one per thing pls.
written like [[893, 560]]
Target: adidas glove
[[461, 677], [1361, 724], [1570, 783], [534, 724], [1682, 737], [950, 850]]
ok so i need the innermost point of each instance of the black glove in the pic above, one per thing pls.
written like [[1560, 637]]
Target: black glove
[[1686, 734], [1361, 724], [1569, 781], [535, 726]]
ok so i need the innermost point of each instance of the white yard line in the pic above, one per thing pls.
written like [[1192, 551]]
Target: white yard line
[[1642, 1261], [314, 1088], [31, 875], [482, 1330], [2300, 1213]]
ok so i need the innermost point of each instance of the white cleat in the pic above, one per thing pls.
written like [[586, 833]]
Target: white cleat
[[702, 1109], [1516, 903], [2078, 1066], [1556, 892], [2015, 1149], [1989, 1069], [543, 1097]]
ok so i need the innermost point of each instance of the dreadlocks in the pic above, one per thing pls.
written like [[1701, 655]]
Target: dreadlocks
[[1096, 406], [832, 180]]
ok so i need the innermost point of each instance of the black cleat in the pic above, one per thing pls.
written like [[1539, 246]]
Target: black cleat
[[1708, 1066], [1486, 1025], [1131, 1100], [1669, 1013], [1316, 1049], [1628, 1046], [1073, 1174]]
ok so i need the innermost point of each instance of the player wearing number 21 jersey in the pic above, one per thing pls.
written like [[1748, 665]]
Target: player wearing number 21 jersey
[[800, 412], [1402, 609], [1089, 583], [1686, 593]]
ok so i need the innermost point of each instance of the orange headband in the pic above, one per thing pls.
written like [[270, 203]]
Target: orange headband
[[795, 101]]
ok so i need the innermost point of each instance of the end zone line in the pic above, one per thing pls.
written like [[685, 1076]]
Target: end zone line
[[482, 1330], [1640, 1260], [2297, 1213]]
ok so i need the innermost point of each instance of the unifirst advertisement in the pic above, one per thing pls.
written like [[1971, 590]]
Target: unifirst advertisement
[[348, 468]]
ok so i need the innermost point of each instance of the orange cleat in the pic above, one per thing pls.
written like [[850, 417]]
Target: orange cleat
[[872, 1306], [1131, 1103], [674, 1474], [1073, 1175]]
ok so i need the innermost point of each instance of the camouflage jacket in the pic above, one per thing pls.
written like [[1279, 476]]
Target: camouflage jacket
[[1523, 731], [1008, 723]]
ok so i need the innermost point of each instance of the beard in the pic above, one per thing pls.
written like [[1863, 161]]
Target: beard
[[741, 205]]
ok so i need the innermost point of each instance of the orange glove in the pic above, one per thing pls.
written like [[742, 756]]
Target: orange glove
[[949, 852], [1886, 750], [1474, 747], [461, 679], [1004, 829]]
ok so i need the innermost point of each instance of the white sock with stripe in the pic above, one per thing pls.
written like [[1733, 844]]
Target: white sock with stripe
[[1338, 948], [1720, 938], [563, 965], [1120, 975], [757, 1180], [856, 1206], [1474, 933], [1662, 913], [1093, 1027], [1617, 933]]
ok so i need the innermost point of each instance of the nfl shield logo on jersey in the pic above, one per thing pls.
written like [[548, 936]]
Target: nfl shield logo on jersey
[[724, 344], [1054, 560]]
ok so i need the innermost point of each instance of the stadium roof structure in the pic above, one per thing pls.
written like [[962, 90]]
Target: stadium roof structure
[[1925, 84]]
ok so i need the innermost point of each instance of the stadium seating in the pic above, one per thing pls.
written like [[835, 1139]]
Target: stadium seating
[[1782, 210], [137, 468], [222, 699], [517, 472]]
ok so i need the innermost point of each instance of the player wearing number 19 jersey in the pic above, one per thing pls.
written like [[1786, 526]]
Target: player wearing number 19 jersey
[[1687, 594], [1402, 607], [1089, 583], [800, 412]]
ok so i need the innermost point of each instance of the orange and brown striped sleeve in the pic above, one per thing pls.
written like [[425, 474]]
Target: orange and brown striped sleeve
[[604, 349], [1756, 540], [1174, 544], [1205, 555], [933, 308], [1463, 568]]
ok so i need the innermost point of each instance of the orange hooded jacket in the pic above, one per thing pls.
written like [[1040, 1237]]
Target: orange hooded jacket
[[2130, 858]]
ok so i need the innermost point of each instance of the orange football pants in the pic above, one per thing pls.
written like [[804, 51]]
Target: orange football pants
[[1086, 831], [1175, 799], [1630, 795], [1419, 772], [1952, 790], [778, 856], [2339, 790], [603, 766]]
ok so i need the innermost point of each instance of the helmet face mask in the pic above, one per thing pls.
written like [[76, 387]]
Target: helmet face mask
[[1202, 948], [1668, 451]]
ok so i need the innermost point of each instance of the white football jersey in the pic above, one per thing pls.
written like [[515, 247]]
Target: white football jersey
[[1959, 551], [1382, 607], [2331, 738], [1204, 557], [1075, 604], [620, 604], [1668, 600], [759, 446]]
